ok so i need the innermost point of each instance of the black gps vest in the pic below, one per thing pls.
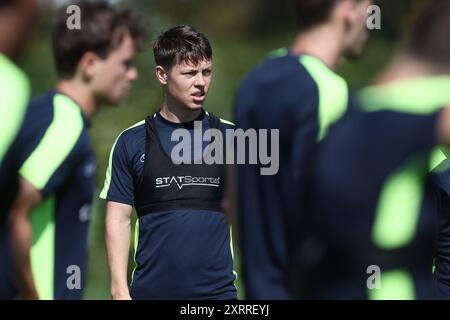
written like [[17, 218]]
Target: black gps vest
[[166, 186]]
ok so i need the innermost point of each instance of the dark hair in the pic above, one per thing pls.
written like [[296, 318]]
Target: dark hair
[[313, 12], [181, 44], [430, 38], [6, 3], [103, 28]]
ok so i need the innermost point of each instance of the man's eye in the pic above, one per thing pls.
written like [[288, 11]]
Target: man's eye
[[128, 64], [207, 72]]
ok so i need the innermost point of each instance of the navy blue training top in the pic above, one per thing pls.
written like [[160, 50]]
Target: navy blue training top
[[371, 200], [300, 96], [441, 181], [182, 254], [53, 152]]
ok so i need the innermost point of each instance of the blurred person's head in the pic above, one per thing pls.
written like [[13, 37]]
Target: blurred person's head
[[183, 59], [100, 54], [347, 19], [430, 38], [16, 19]]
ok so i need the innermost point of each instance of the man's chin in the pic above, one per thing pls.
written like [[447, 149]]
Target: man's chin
[[353, 55], [195, 106], [111, 102]]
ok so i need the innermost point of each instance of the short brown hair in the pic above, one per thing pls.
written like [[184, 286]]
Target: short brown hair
[[6, 3], [103, 28], [181, 44], [313, 12], [430, 38]]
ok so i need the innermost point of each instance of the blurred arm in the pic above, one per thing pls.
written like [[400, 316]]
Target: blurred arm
[[230, 202], [443, 129], [21, 237], [117, 237]]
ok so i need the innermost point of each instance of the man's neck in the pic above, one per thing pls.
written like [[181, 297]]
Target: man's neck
[[8, 41], [322, 42], [80, 94], [178, 114]]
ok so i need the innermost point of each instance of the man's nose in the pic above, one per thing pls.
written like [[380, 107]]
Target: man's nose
[[133, 74], [199, 80]]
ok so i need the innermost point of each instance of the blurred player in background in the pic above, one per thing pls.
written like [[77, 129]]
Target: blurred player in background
[[16, 19], [49, 219], [371, 206], [297, 91]]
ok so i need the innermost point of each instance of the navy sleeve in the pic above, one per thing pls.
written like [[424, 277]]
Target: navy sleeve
[[442, 260], [119, 185], [69, 167], [53, 159]]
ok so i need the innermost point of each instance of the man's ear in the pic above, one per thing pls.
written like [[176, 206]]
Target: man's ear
[[88, 65], [161, 75], [345, 11]]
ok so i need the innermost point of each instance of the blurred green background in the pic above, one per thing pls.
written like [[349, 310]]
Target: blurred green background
[[241, 32]]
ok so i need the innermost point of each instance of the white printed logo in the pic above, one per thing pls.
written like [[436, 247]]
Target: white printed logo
[[183, 181], [89, 169], [85, 213]]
